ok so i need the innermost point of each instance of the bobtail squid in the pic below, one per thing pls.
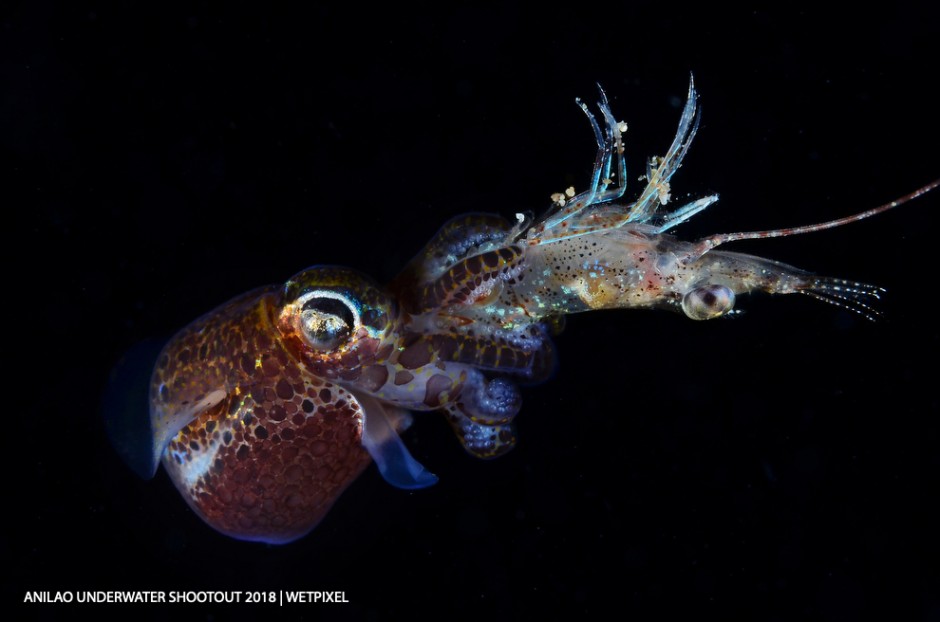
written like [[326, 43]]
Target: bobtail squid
[[265, 409]]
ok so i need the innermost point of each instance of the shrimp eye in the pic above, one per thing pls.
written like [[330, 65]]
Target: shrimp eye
[[328, 319], [710, 301]]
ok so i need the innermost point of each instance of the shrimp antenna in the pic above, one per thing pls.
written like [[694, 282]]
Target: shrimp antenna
[[706, 244]]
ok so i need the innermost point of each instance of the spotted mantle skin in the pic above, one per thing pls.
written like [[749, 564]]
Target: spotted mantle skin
[[281, 445], [261, 433]]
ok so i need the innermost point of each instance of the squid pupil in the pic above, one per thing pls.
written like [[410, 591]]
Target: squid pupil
[[328, 322], [330, 306]]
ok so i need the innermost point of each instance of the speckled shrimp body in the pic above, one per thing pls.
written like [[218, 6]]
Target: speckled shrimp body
[[264, 410]]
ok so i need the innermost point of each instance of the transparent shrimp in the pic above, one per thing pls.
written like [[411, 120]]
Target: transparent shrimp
[[592, 252]]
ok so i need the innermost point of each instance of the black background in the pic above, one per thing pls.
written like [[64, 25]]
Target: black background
[[782, 464]]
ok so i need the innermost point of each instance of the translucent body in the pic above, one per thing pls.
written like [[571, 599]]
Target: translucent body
[[264, 410]]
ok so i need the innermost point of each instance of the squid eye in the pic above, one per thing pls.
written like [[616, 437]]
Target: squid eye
[[710, 301], [328, 319]]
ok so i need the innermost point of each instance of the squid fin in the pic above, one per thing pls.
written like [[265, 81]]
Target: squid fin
[[380, 438]]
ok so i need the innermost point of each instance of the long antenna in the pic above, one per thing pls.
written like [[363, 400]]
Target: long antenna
[[706, 244]]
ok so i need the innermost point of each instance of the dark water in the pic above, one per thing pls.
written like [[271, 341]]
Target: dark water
[[780, 465]]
